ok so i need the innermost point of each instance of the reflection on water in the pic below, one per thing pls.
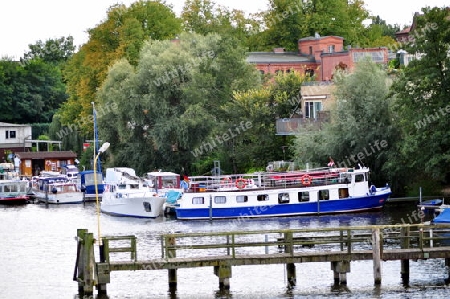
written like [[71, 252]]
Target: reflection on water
[[38, 256]]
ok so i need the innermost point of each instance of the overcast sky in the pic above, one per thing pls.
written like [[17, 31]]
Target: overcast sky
[[24, 22]]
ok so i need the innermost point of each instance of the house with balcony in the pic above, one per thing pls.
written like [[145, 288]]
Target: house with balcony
[[12, 139], [317, 57]]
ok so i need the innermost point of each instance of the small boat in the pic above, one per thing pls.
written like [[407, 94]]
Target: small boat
[[443, 217], [56, 189], [127, 195], [327, 191], [14, 191], [86, 184]]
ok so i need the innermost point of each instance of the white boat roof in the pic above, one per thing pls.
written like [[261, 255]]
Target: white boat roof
[[162, 173]]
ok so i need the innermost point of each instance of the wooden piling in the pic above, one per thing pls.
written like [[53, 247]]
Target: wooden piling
[[340, 270], [404, 264], [290, 267], [78, 274], [376, 255], [223, 271], [88, 264], [171, 253]]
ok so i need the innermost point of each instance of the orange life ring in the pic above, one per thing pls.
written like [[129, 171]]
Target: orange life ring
[[241, 183], [306, 180]]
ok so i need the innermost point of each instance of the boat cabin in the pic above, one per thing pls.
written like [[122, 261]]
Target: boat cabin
[[162, 180]]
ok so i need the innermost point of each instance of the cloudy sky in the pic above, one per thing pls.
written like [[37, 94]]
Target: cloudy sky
[[23, 22]]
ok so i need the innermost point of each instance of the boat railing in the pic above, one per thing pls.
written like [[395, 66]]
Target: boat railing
[[299, 178]]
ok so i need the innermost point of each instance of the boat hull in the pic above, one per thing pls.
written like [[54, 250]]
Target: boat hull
[[60, 198], [138, 207], [345, 205], [14, 200]]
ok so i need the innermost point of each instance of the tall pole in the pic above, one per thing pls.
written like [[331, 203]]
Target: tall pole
[[100, 245]]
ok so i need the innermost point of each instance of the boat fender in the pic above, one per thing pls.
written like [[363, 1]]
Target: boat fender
[[306, 180], [373, 189], [54, 190], [241, 183]]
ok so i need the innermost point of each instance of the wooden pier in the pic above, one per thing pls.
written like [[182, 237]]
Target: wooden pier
[[222, 250]]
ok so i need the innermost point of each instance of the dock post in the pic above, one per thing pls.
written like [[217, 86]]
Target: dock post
[[340, 270], [290, 267], [404, 264], [102, 268], [88, 264], [376, 253], [78, 274], [171, 253], [223, 271]]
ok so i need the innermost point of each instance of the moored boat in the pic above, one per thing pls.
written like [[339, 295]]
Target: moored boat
[[86, 184], [127, 195], [56, 189], [329, 191], [14, 191]]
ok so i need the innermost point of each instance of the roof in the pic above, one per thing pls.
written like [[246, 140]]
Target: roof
[[319, 37], [270, 57], [46, 155], [3, 124]]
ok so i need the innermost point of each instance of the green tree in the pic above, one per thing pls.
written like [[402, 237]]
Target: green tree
[[52, 51], [422, 102], [361, 129], [121, 35], [169, 106]]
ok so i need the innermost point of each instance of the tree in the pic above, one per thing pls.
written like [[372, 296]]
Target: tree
[[168, 107], [121, 35], [421, 93], [361, 129], [53, 51]]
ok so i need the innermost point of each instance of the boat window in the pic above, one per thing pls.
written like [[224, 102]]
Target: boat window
[[122, 186], [359, 178], [303, 196], [241, 198], [262, 197], [283, 197], [134, 186], [198, 200], [220, 199], [147, 206], [343, 192], [324, 194], [7, 188]]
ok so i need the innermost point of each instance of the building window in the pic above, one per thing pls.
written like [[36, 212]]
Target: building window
[[6, 134], [310, 50], [10, 134], [309, 72], [331, 49], [312, 109], [262, 72], [278, 72]]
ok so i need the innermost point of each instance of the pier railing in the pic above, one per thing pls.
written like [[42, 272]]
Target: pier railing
[[223, 250]]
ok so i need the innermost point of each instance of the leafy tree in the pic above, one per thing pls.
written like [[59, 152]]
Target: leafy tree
[[121, 35], [168, 107], [30, 93], [205, 16], [289, 20], [52, 51], [361, 130], [422, 103]]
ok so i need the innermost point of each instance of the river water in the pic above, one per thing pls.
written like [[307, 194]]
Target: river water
[[38, 252]]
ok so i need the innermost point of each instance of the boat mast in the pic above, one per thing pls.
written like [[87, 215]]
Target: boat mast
[[99, 167]]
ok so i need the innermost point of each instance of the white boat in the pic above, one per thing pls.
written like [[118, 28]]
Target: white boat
[[324, 191], [14, 191], [56, 189], [127, 195]]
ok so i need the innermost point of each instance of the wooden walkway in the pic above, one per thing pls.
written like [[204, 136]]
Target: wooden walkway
[[223, 250]]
